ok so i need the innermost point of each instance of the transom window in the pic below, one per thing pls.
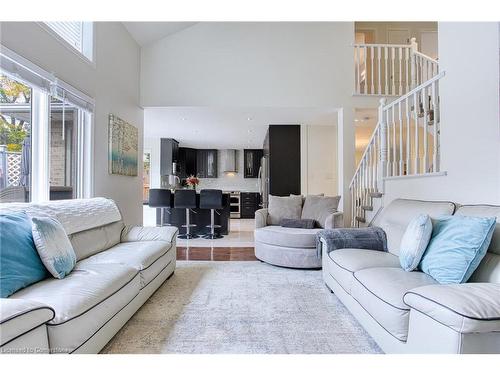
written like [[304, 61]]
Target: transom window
[[78, 35]]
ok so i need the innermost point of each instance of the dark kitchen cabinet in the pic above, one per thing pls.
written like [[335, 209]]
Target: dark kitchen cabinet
[[251, 162], [282, 148], [249, 203], [169, 153], [186, 162], [206, 163]]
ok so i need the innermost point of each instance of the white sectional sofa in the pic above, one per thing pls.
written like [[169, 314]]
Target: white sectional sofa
[[118, 269], [409, 312]]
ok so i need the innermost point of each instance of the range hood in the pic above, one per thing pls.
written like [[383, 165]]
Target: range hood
[[228, 161]]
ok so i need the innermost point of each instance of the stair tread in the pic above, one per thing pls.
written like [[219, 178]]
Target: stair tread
[[360, 219], [367, 208], [376, 194]]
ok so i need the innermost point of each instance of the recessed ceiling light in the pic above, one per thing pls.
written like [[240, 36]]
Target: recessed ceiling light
[[183, 119], [249, 119], [249, 131]]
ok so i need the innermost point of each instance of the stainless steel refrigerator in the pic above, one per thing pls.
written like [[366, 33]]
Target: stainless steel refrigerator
[[263, 181]]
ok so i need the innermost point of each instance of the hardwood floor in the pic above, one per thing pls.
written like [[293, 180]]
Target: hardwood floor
[[216, 253]]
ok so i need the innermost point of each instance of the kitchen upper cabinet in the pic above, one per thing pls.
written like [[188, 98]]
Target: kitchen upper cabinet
[[251, 162], [186, 162], [169, 153], [206, 163]]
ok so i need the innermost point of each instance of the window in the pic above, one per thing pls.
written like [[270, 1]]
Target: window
[[15, 140], [45, 135], [78, 35]]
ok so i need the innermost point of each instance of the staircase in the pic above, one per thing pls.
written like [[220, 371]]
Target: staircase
[[405, 141]]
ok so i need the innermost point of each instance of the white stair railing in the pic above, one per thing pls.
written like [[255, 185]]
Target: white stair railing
[[405, 142], [391, 69]]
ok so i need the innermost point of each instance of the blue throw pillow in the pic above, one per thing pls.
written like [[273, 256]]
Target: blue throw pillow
[[20, 264], [457, 246], [414, 242]]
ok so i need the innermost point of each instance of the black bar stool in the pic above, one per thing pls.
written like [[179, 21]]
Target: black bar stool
[[160, 198], [211, 199], [186, 198]]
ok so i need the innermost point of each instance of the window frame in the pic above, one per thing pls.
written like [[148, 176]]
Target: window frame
[[92, 49]]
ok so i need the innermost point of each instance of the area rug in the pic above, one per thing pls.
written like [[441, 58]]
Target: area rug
[[242, 307]]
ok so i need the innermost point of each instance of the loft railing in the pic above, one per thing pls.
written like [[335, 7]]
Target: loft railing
[[391, 69], [405, 142]]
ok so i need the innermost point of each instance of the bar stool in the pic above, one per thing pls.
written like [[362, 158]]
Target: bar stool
[[211, 199], [186, 198], [160, 198]]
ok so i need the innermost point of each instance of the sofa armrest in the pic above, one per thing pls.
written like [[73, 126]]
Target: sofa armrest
[[20, 316], [465, 308], [261, 218], [137, 233], [372, 238], [335, 220]]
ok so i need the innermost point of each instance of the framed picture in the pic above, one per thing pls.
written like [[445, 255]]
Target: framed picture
[[123, 147]]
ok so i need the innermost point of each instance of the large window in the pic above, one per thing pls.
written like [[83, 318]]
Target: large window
[[15, 140], [45, 135], [78, 35]]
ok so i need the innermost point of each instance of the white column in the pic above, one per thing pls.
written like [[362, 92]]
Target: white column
[[346, 159], [413, 66]]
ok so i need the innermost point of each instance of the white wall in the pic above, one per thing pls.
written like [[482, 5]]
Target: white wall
[[470, 119], [319, 172], [114, 84]]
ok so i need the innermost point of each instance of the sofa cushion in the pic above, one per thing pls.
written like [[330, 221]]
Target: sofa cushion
[[380, 292], [318, 208], [395, 217], [95, 240], [139, 255], [344, 262], [283, 208], [289, 237], [83, 301]]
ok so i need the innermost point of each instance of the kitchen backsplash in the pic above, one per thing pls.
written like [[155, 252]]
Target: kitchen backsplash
[[234, 181]]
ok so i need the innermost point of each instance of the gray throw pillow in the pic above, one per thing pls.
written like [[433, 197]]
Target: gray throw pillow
[[304, 197], [319, 208], [283, 208], [297, 223]]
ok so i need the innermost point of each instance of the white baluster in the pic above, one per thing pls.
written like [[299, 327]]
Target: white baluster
[[408, 69], [383, 140], [386, 63], [415, 102], [434, 95], [408, 136], [357, 66], [372, 67], [394, 163], [365, 70], [425, 121], [379, 56], [400, 57], [400, 139], [413, 49], [393, 75]]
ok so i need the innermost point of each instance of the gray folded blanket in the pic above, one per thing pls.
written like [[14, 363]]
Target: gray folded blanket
[[371, 238]]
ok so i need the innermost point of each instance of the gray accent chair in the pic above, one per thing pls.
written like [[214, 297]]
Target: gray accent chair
[[410, 312], [289, 247]]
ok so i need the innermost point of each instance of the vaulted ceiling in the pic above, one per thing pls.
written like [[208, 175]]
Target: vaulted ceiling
[[146, 33]]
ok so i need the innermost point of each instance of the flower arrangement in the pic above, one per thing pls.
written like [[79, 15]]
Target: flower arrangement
[[192, 181]]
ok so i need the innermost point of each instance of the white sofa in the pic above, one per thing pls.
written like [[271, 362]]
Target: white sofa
[[289, 247], [409, 312], [118, 268]]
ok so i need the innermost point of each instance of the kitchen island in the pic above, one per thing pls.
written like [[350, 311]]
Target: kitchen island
[[201, 217]]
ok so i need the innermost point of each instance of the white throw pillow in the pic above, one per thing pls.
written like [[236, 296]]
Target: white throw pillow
[[53, 246], [283, 208], [414, 242]]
